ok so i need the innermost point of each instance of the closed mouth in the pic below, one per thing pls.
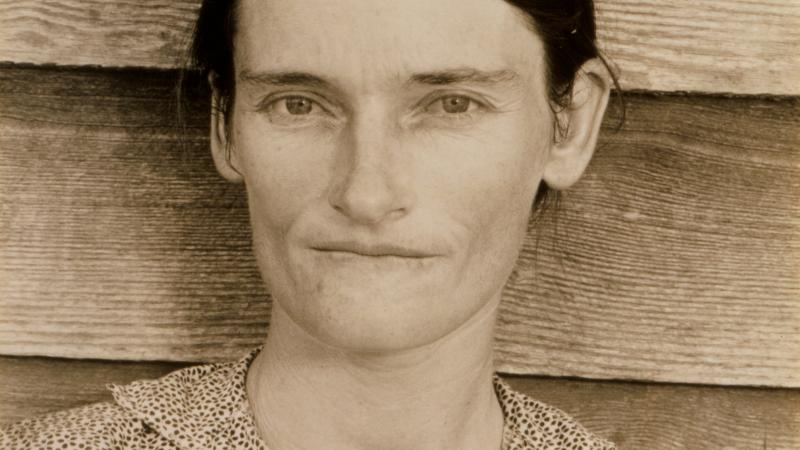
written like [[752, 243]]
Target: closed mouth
[[373, 250]]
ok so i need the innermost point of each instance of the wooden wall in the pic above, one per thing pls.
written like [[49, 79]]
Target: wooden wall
[[716, 46], [660, 305]]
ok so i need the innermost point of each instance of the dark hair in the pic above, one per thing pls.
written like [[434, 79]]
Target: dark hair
[[566, 28], [568, 32]]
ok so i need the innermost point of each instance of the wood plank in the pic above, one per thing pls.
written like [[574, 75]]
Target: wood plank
[[677, 254], [657, 416], [735, 46], [675, 258], [634, 415], [33, 386]]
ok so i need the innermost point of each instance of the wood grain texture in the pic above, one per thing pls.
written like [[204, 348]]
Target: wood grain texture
[[33, 386], [679, 249], [634, 415], [675, 417], [675, 259], [737, 46]]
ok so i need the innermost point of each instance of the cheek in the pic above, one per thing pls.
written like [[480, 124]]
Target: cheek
[[487, 189], [492, 177], [277, 164], [283, 175], [502, 209]]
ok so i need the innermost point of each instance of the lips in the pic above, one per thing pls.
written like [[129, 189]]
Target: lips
[[375, 250]]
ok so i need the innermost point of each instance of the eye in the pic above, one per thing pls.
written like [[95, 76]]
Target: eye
[[294, 109], [456, 104], [453, 104], [297, 106]]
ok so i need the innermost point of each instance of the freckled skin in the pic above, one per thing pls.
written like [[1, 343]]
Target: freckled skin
[[379, 159]]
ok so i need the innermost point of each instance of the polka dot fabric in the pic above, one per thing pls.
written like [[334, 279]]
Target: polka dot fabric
[[205, 407], [530, 424]]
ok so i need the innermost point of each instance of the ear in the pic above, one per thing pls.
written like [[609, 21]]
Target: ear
[[219, 139], [570, 156]]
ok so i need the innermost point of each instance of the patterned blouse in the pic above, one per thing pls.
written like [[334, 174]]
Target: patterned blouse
[[206, 407]]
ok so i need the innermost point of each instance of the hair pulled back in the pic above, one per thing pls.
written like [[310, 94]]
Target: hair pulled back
[[566, 27]]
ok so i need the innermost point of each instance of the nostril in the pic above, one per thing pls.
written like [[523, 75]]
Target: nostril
[[368, 203], [369, 179], [369, 198]]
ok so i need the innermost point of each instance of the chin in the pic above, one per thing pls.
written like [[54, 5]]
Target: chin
[[375, 317], [374, 305]]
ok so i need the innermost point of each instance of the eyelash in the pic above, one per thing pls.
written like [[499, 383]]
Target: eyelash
[[440, 100], [270, 102], [426, 104]]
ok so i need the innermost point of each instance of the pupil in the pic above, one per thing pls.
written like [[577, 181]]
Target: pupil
[[456, 104], [298, 105]]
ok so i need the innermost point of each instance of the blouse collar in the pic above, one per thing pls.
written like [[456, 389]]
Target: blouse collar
[[207, 407]]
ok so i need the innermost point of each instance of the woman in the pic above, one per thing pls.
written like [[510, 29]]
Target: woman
[[390, 153]]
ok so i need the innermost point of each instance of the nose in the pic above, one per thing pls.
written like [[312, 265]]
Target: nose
[[371, 180]]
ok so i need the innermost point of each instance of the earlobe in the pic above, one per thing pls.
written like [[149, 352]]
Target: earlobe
[[570, 155], [218, 139]]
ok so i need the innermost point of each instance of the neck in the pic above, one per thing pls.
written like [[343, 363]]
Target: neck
[[306, 394]]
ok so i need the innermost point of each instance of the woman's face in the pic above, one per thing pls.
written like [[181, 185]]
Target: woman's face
[[391, 151]]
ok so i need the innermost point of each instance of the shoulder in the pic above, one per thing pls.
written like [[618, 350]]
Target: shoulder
[[195, 407], [530, 424], [96, 426]]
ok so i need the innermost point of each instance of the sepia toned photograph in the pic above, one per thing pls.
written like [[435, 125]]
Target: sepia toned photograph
[[400, 225]]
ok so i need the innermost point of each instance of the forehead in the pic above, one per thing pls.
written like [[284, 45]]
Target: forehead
[[372, 41]]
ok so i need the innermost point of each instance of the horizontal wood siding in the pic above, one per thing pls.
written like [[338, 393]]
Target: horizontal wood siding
[[33, 386], [635, 416], [639, 416], [675, 259], [737, 46]]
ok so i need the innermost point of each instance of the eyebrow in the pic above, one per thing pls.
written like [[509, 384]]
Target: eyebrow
[[436, 78], [468, 75], [284, 79]]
